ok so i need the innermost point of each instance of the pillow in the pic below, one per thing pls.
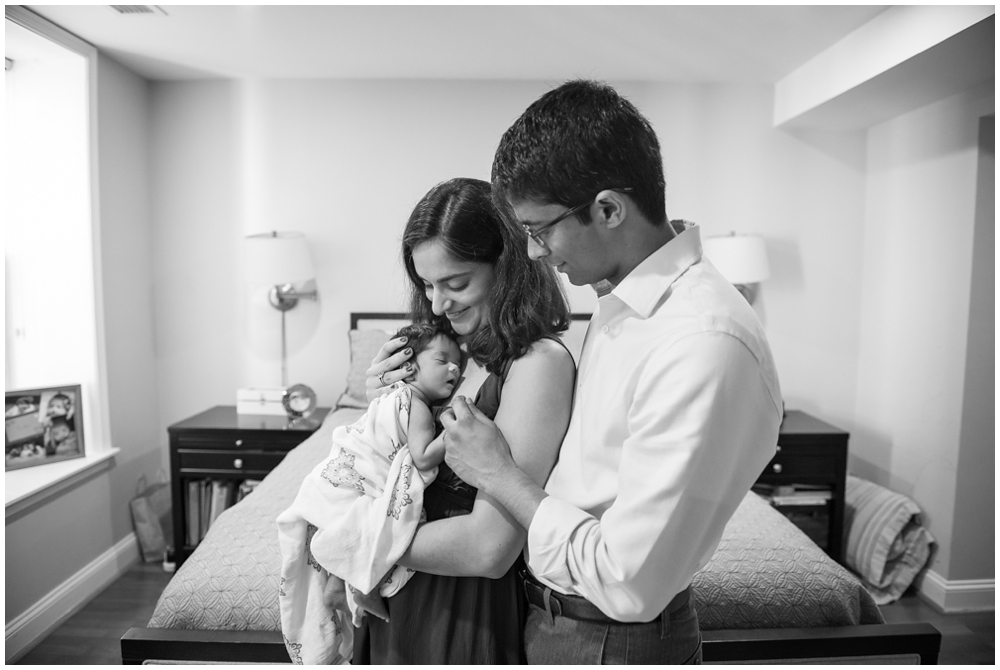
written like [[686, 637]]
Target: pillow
[[886, 543], [364, 345]]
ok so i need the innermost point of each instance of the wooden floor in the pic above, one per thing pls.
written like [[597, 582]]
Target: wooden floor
[[91, 636]]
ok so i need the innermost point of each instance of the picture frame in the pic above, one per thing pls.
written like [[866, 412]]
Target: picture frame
[[43, 425]]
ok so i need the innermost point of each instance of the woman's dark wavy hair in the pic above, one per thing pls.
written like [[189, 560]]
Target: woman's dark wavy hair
[[526, 302], [574, 142]]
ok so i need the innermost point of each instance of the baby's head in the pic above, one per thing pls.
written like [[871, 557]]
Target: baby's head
[[437, 360], [59, 405]]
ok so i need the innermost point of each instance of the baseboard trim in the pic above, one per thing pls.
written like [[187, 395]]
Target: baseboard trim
[[29, 628], [960, 595]]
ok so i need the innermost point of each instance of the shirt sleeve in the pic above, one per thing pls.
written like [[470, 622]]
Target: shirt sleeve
[[701, 427]]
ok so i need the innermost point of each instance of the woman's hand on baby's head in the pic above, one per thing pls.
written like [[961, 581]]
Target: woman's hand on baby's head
[[390, 365]]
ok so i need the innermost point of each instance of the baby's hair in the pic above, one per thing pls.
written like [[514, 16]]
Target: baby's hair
[[420, 335], [58, 421]]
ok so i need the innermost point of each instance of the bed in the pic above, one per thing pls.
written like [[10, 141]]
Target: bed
[[768, 595]]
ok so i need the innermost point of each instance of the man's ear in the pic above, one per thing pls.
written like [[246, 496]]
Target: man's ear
[[612, 208]]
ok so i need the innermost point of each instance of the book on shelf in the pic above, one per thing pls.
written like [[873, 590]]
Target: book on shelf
[[246, 488], [221, 491], [193, 503], [205, 503]]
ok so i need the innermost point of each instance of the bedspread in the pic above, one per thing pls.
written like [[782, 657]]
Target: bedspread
[[765, 574]]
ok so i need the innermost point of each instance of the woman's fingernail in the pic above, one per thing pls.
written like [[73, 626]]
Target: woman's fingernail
[[408, 351], [402, 340]]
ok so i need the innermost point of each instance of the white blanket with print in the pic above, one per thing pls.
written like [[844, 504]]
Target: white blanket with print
[[352, 519]]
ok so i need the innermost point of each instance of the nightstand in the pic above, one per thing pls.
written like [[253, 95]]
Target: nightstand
[[215, 458], [812, 453]]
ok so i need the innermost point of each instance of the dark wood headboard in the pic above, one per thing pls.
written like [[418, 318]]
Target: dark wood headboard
[[402, 316]]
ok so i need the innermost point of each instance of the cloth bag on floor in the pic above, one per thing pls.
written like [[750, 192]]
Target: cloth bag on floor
[[151, 516]]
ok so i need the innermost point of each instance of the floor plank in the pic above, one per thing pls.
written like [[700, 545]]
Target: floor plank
[[92, 635]]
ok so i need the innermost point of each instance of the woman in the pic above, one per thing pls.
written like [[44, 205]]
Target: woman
[[469, 267]]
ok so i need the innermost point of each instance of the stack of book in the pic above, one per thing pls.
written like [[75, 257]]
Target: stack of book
[[206, 500], [794, 495]]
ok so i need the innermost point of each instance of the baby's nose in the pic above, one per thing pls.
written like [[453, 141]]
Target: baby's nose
[[453, 369]]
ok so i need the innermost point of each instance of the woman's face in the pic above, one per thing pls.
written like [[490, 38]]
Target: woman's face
[[457, 289]]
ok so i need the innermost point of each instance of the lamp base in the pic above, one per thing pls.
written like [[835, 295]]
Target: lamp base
[[260, 401]]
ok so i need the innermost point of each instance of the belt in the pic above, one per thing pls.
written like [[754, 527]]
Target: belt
[[581, 609]]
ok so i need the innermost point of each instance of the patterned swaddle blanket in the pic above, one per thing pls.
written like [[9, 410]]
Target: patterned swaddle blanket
[[354, 516]]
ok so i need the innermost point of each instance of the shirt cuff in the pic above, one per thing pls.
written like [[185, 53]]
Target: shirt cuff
[[552, 527]]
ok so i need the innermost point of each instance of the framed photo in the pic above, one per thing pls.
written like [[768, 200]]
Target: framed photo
[[42, 426]]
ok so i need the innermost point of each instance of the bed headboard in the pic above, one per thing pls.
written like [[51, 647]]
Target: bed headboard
[[393, 321]]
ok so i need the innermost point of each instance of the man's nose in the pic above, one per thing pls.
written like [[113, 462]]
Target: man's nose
[[536, 250]]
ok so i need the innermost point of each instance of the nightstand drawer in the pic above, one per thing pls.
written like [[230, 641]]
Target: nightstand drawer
[[245, 442], [799, 466], [209, 460]]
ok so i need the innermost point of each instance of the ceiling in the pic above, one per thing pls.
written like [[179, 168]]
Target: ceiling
[[742, 43]]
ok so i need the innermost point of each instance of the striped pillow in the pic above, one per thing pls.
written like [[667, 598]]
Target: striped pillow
[[886, 543]]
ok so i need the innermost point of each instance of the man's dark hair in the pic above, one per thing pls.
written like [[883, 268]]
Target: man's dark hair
[[420, 335], [576, 141]]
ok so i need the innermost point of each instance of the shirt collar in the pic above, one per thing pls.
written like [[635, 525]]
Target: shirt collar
[[642, 288]]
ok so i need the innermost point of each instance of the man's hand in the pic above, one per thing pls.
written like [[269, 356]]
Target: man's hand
[[474, 447]]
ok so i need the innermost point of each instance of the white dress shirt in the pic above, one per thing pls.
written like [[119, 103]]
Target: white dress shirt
[[676, 413]]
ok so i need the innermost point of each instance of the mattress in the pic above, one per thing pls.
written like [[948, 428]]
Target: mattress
[[765, 574]]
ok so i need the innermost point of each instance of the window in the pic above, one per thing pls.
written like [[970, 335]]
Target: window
[[51, 298]]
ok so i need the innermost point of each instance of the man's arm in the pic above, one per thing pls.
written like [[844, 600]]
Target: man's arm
[[701, 426]]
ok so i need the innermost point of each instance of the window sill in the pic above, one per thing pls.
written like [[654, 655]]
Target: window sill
[[24, 489]]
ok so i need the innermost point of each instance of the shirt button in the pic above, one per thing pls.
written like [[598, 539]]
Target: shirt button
[[606, 330]]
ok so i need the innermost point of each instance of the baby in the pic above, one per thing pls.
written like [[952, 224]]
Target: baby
[[357, 511]]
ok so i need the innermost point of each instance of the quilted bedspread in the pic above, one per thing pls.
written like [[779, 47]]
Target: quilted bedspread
[[765, 574]]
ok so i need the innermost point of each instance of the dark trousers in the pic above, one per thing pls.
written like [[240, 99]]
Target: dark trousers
[[551, 638]]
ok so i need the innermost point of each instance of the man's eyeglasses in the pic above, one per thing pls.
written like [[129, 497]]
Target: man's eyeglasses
[[536, 233]]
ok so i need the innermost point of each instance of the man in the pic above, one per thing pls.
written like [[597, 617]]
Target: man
[[677, 402]]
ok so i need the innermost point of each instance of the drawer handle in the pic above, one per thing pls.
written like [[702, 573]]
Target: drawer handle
[[238, 463], [776, 467], [239, 443], [777, 449]]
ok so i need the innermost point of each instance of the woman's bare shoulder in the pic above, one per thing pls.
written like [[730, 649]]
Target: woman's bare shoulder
[[546, 354]]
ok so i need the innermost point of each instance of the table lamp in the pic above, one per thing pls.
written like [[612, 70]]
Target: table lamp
[[742, 259], [281, 260]]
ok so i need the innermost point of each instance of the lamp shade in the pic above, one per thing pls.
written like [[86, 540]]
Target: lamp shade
[[278, 258], [742, 259]]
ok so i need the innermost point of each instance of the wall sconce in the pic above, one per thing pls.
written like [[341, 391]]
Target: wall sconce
[[282, 261], [742, 259]]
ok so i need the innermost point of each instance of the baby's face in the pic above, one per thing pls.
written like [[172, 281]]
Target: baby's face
[[438, 368], [60, 433]]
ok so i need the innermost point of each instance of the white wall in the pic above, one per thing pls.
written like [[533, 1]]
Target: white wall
[[344, 162], [915, 311]]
